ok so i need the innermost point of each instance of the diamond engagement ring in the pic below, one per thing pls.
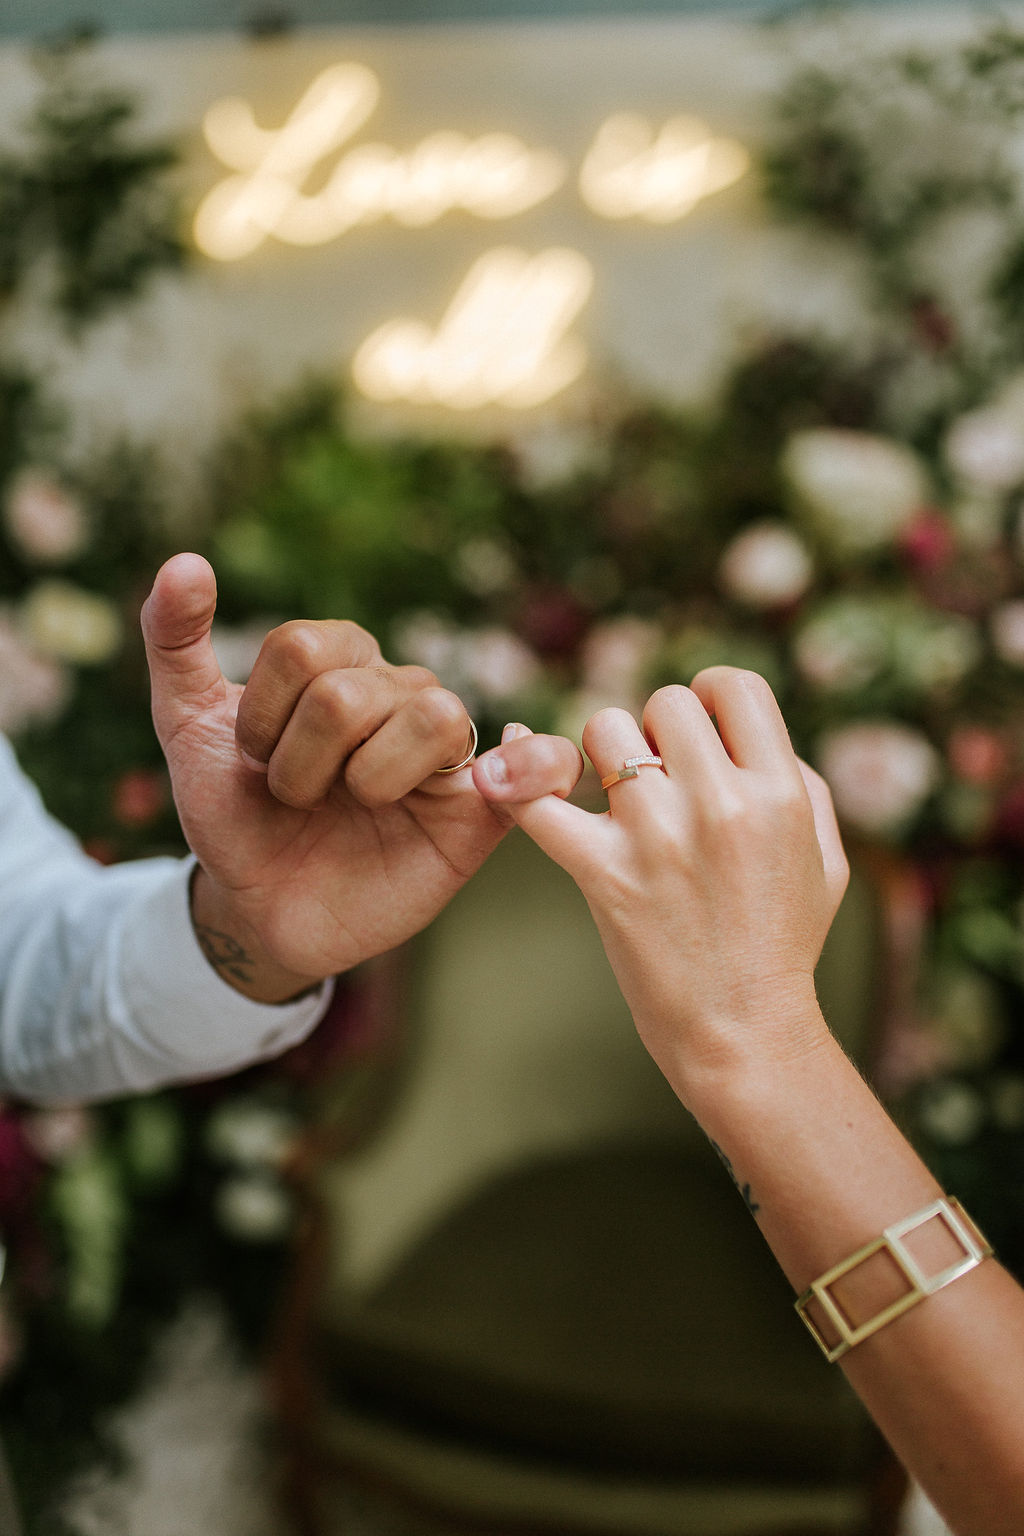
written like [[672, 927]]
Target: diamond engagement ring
[[631, 769]]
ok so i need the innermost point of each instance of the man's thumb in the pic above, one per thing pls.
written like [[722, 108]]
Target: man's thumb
[[184, 673]]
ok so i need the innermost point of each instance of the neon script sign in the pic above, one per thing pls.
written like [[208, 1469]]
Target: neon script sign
[[503, 338]]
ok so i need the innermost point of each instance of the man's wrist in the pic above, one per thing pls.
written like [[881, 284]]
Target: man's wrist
[[234, 950]]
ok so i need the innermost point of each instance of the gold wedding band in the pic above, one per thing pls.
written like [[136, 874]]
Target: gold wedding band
[[631, 769], [474, 741]]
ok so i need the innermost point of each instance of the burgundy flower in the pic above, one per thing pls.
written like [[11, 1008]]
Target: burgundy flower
[[928, 543], [933, 324], [20, 1170], [552, 621], [1009, 823]]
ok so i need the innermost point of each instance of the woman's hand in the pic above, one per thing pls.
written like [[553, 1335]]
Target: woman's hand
[[713, 882]]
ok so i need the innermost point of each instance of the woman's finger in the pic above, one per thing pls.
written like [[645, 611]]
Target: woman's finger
[[527, 778], [749, 719], [676, 721], [614, 742]]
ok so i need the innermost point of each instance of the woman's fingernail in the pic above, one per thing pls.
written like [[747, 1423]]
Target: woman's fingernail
[[494, 768], [253, 762], [512, 730]]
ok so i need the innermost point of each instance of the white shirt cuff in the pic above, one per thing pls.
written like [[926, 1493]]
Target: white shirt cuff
[[179, 1003]]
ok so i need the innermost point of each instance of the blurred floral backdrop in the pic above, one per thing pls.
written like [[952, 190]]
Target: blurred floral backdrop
[[848, 519]]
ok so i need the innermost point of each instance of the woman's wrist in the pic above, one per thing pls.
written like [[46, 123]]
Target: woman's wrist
[[234, 949], [739, 1049]]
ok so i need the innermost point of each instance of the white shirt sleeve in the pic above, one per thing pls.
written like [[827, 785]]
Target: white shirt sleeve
[[103, 987]]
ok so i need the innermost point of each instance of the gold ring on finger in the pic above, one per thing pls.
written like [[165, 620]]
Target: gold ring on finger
[[631, 769], [474, 741]]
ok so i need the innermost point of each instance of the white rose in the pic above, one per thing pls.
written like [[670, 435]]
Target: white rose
[[616, 655], [70, 624], [31, 687], [43, 518], [986, 448], [952, 1114], [880, 773], [857, 489], [766, 566], [251, 1135], [254, 1208], [498, 663], [1007, 629]]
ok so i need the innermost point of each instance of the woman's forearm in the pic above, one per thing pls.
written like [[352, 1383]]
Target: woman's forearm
[[825, 1171], [713, 877]]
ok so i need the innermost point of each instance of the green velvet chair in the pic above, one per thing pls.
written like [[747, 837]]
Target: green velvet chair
[[530, 1299]]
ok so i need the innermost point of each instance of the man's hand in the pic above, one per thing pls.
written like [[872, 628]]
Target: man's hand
[[310, 798]]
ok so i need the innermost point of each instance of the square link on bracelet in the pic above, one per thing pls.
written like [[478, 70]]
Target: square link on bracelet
[[919, 1285]]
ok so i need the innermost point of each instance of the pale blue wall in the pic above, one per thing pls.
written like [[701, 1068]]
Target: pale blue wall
[[27, 18]]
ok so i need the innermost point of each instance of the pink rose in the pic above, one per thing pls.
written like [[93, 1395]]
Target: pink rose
[[977, 755], [43, 519], [32, 687], [56, 1134], [880, 773], [140, 795], [929, 541], [616, 655]]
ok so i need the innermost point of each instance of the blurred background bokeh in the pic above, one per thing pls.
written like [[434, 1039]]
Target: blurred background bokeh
[[569, 349]]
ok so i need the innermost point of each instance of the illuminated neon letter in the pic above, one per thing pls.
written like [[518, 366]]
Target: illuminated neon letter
[[501, 342], [493, 177], [631, 173]]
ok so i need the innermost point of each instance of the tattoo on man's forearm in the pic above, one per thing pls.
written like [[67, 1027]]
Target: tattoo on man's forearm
[[744, 1189], [225, 954]]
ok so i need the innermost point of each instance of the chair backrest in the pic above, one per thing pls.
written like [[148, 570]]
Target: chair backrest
[[523, 1047]]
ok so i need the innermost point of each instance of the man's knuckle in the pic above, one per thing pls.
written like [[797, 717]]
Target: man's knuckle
[[299, 645], [416, 677], [440, 711], [334, 702]]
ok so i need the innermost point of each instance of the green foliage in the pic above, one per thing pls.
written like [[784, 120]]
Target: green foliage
[[86, 195]]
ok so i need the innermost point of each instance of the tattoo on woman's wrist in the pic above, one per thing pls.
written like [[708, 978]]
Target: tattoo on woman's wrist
[[744, 1189], [225, 954]]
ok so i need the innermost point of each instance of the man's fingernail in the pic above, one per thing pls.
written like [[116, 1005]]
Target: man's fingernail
[[252, 762], [512, 730], [494, 768]]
